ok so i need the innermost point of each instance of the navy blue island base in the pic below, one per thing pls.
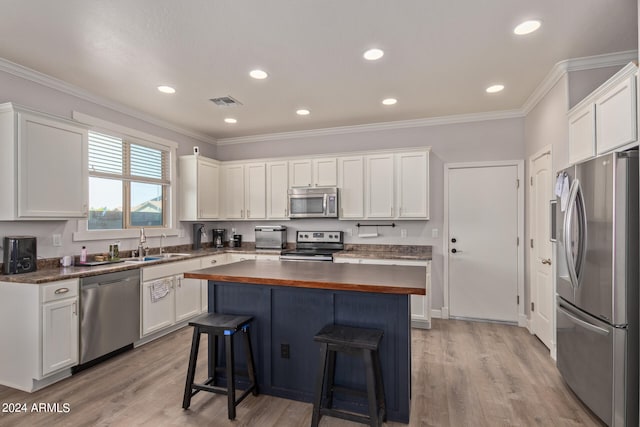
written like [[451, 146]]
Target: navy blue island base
[[286, 318]]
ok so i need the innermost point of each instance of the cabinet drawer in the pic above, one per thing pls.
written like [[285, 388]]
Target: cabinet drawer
[[59, 290]]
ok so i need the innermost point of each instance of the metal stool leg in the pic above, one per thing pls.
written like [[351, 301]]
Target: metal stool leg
[[231, 378], [191, 371], [315, 419]]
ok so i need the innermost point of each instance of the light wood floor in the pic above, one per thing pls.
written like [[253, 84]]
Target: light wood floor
[[464, 374]]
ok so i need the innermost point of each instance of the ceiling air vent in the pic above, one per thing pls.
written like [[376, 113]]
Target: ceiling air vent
[[225, 101]]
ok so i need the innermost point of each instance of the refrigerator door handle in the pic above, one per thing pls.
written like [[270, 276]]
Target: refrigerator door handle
[[575, 265], [584, 324]]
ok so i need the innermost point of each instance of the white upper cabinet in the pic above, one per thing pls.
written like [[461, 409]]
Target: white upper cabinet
[[412, 191], [199, 184], [233, 190], [325, 172], [351, 184], [379, 186], [606, 119], [321, 172], [300, 174], [277, 186], [255, 194], [43, 164]]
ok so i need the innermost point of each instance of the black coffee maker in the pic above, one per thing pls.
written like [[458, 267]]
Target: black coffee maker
[[198, 231], [20, 254], [219, 236]]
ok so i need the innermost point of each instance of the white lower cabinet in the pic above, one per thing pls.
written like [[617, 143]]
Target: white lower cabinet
[[420, 305], [167, 297], [39, 330], [244, 257]]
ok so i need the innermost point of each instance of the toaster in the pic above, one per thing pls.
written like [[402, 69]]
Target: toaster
[[271, 237], [20, 255]]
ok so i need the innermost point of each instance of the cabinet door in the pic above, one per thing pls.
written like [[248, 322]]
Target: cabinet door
[[59, 335], [277, 186], [300, 173], [208, 184], [379, 186], [161, 313], [413, 185], [325, 172], [616, 116], [188, 294], [234, 191], [582, 134], [351, 184], [52, 169], [255, 191]]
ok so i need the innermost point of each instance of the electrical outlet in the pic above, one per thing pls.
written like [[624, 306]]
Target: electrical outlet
[[403, 233], [57, 240], [284, 351], [180, 232], [434, 233]]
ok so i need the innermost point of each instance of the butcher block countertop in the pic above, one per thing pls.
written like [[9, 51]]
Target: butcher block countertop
[[387, 279]]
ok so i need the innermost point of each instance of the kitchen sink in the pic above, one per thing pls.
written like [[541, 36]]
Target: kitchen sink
[[154, 257]]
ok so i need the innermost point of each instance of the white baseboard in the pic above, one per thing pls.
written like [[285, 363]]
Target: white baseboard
[[523, 321], [421, 323], [440, 314]]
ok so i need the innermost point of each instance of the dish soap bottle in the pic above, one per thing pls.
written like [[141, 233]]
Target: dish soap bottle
[[83, 254]]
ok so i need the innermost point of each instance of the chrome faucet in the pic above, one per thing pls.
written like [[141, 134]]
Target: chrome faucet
[[162, 237], [143, 240]]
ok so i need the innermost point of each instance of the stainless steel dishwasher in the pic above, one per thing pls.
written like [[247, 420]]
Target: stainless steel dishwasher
[[109, 314]]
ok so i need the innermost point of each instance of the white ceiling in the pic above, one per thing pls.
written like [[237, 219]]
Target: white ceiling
[[440, 55]]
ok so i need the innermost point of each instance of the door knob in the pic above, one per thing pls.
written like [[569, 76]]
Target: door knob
[[546, 261], [454, 250], [453, 240]]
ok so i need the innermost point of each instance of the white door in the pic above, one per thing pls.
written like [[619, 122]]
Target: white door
[[482, 242], [542, 301]]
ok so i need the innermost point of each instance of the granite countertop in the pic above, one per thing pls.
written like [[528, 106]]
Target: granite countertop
[[400, 252], [49, 270], [386, 279]]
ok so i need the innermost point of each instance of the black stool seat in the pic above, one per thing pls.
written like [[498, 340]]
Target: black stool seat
[[358, 341], [350, 337], [223, 325]]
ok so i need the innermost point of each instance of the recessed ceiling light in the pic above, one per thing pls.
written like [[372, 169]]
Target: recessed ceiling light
[[373, 54], [303, 112], [495, 88], [527, 27], [389, 101], [258, 74], [230, 120], [166, 89]]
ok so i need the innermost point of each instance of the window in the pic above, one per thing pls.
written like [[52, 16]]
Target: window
[[128, 183]]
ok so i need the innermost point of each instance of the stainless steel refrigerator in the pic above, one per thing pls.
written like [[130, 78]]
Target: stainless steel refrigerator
[[597, 284]]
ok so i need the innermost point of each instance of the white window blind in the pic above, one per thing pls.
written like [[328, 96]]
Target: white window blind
[[112, 157]]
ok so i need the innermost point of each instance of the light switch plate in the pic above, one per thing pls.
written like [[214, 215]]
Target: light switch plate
[[57, 240], [434, 233], [403, 233]]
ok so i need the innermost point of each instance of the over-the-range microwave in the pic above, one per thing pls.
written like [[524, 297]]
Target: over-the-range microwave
[[316, 202]]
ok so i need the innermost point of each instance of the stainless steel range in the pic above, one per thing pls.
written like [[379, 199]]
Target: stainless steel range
[[314, 246]]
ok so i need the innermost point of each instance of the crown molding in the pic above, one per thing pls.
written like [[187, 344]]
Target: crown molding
[[372, 127], [62, 86], [576, 64]]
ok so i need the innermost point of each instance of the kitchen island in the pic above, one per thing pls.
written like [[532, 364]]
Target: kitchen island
[[292, 301]]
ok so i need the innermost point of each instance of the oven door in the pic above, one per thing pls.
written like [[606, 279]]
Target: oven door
[[307, 205]]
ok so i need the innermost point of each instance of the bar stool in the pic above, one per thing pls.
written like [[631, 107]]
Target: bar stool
[[356, 341], [223, 325]]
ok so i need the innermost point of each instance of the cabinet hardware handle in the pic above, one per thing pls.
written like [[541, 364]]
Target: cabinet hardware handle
[[241, 213], [546, 261], [75, 308], [248, 213], [61, 291], [213, 261], [391, 210], [179, 282]]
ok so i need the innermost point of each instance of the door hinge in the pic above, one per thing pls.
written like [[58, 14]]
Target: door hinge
[[518, 299], [531, 243], [517, 241], [532, 306], [531, 179], [517, 183]]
